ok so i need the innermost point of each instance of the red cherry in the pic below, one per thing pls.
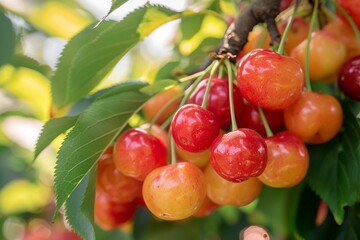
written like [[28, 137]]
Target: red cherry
[[288, 160], [218, 100], [194, 128], [110, 215], [239, 155], [270, 80], [137, 153], [353, 8], [117, 186], [349, 78], [250, 118]]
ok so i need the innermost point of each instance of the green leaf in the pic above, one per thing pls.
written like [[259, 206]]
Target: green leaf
[[8, 39], [158, 86], [89, 56], [280, 215], [79, 208], [28, 62], [96, 128], [351, 227], [51, 129], [115, 4], [334, 171]]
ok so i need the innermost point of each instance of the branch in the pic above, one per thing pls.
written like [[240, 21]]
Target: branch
[[259, 11]]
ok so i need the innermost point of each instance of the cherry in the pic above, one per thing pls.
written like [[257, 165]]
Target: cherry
[[345, 34], [239, 155], [200, 159], [288, 160], [254, 39], [349, 78], [218, 100], [316, 118], [206, 208], [270, 80], [175, 191], [298, 32], [254, 233], [117, 186], [224, 192], [353, 9], [194, 128], [152, 106], [250, 118], [137, 153], [110, 215], [326, 54], [156, 131]]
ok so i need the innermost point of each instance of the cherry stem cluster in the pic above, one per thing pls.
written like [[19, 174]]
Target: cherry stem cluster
[[211, 77]]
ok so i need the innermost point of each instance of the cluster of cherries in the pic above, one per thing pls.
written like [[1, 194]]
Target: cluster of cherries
[[220, 162]]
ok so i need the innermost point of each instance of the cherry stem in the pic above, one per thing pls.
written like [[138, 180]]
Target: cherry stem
[[207, 90], [307, 50], [192, 76], [234, 126], [287, 29], [269, 133], [162, 109], [349, 19], [196, 82], [172, 149], [221, 72]]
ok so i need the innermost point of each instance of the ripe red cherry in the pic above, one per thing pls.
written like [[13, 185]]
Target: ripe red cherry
[[175, 191], [117, 186], [250, 118], [239, 155], [352, 7], [194, 128], [137, 153], [218, 100], [270, 80], [349, 78], [110, 215], [288, 160]]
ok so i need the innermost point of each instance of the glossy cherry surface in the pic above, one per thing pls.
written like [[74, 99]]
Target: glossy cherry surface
[[316, 118], [224, 192], [239, 155], [137, 153], [218, 99], [250, 118], [194, 128], [175, 191], [288, 160], [349, 78], [270, 80]]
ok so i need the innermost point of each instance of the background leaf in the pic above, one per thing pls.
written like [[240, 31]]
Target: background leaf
[[95, 129], [158, 86], [7, 40], [51, 129], [334, 167], [89, 56]]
